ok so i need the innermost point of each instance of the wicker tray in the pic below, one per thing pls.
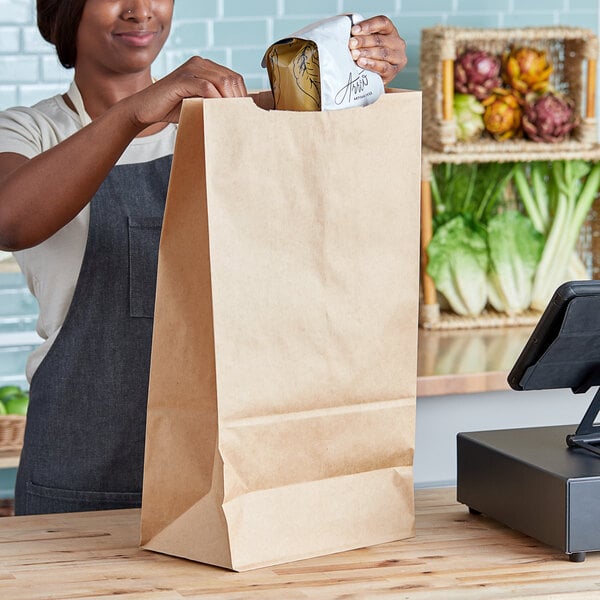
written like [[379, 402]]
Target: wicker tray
[[569, 49], [431, 316], [12, 428]]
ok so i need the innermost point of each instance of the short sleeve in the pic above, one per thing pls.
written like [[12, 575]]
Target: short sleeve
[[19, 132], [31, 131]]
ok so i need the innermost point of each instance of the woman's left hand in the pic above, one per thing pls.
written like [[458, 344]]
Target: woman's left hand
[[376, 45]]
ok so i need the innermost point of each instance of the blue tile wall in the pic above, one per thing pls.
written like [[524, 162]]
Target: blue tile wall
[[199, 9], [583, 5], [526, 18], [12, 361], [7, 483], [9, 39], [311, 8], [495, 6], [440, 7], [18, 315], [242, 8], [8, 95], [227, 32], [19, 12]]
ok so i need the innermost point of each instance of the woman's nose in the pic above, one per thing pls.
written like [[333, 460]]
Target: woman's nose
[[138, 10]]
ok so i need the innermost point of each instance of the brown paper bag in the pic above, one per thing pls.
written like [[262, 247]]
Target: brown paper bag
[[282, 391]]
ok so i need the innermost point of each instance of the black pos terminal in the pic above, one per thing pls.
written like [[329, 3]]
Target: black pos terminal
[[545, 481]]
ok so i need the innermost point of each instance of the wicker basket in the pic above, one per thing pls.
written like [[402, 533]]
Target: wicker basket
[[12, 428], [430, 315], [567, 47]]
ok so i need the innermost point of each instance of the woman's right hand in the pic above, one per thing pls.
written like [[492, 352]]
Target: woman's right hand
[[196, 78]]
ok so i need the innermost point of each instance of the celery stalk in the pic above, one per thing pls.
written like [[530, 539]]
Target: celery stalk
[[573, 202]]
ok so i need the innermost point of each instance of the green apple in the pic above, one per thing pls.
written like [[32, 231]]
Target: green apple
[[2, 409], [9, 390], [17, 404]]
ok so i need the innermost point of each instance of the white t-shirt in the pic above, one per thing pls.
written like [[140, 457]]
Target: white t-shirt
[[52, 267]]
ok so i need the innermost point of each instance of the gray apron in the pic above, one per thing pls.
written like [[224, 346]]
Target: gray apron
[[84, 439]]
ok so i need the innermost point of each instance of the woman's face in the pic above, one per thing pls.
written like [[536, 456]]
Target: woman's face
[[122, 36]]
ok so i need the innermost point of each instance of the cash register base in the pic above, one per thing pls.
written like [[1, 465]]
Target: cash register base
[[531, 481]]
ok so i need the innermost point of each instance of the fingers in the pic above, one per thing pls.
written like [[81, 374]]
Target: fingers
[[213, 80], [381, 58], [196, 78], [376, 45], [379, 24], [215, 87], [387, 70], [378, 40]]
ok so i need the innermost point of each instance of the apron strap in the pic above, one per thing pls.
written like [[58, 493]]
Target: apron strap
[[75, 97]]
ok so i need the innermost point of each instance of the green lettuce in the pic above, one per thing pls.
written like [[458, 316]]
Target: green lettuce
[[515, 248], [458, 264]]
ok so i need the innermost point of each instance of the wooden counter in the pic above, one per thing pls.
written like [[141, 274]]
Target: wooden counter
[[467, 361], [454, 555]]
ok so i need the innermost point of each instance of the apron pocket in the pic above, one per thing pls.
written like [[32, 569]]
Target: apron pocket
[[144, 238], [42, 500]]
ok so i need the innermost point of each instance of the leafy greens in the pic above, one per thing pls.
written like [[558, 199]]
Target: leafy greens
[[480, 252]]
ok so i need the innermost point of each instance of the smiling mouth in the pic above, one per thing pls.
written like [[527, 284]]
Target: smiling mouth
[[136, 38]]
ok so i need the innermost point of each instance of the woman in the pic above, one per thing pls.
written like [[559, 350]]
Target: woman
[[83, 182]]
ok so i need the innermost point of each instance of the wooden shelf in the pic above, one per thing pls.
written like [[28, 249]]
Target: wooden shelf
[[9, 459], [467, 361], [503, 152]]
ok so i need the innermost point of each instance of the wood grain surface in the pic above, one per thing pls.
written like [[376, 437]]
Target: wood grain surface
[[454, 555]]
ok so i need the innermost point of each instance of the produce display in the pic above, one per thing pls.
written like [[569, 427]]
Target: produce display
[[512, 95], [526, 70], [505, 233], [13, 400], [513, 111], [468, 113], [503, 115], [557, 197], [549, 118], [477, 73]]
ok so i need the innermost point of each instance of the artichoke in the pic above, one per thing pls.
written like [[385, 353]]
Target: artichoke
[[549, 117], [527, 70], [477, 72], [503, 114], [468, 113]]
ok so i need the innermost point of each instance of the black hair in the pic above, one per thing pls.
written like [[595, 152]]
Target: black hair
[[58, 22]]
